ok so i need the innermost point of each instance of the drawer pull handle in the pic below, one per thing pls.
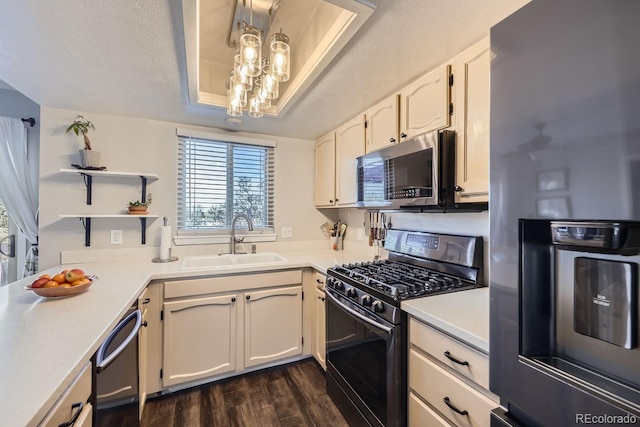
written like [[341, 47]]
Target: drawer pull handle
[[75, 416], [450, 405], [146, 301], [320, 282], [456, 360]]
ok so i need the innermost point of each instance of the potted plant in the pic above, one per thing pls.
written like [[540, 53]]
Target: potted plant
[[90, 158], [138, 207]]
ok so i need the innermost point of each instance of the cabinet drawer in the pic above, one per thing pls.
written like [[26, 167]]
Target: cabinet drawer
[[421, 415], [436, 385], [78, 392], [439, 346]]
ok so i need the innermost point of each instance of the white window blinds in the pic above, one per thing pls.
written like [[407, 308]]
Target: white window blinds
[[219, 179]]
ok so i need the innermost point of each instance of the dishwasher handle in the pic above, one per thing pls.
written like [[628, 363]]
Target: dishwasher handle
[[101, 361]]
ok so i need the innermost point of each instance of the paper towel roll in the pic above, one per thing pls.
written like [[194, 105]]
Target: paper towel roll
[[165, 242]]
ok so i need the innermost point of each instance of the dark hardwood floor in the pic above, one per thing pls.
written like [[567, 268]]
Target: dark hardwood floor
[[292, 395]]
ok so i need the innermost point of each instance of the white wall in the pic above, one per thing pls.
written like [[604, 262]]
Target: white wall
[[136, 145]]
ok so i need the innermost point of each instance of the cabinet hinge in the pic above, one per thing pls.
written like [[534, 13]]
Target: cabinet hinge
[[160, 373], [161, 314], [451, 108], [302, 340], [303, 295], [450, 79], [366, 123]]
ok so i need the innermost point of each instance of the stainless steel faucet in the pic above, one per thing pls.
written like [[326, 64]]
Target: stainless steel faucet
[[233, 241]]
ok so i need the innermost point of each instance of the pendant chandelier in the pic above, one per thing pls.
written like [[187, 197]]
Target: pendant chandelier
[[255, 80]]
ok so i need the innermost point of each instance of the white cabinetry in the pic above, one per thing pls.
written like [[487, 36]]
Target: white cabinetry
[[272, 325], [382, 124], [448, 380], [319, 336], [349, 145], [220, 326], [326, 171], [472, 101], [425, 104], [199, 338], [74, 403]]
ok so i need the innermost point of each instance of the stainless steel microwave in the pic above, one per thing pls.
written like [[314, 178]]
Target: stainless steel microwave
[[417, 173]]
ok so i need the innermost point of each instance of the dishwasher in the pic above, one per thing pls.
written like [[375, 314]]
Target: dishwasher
[[115, 376]]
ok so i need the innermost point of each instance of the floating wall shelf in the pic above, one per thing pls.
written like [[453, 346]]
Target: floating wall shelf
[[88, 175], [86, 223]]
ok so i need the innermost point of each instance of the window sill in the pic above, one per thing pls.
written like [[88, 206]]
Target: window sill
[[222, 239]]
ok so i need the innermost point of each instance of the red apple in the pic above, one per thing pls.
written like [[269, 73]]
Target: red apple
[[38, 283], [74, 274]]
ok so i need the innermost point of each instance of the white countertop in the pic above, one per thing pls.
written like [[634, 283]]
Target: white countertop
[[463, 315], [46, 342]]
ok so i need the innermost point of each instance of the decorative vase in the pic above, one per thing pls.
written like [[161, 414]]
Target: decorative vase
[[137, 210], [90, 158]]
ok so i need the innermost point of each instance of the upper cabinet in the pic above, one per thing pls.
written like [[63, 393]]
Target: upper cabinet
[[349, 146], [382, 124], [326, 171], [425, 104], [472, 100]]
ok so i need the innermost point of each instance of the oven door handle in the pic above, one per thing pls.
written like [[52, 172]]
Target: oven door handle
[[101, 361], [385, 328]]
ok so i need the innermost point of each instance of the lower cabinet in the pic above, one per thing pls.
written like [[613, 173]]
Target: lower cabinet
[[220, 326], [319, 344], [448, 380], [199, 338], [272, 325], [73, 407]]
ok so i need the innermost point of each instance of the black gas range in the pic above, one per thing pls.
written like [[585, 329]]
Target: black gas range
[[366, 329]]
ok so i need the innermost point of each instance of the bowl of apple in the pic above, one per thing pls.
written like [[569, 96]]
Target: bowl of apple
[[64, 284]]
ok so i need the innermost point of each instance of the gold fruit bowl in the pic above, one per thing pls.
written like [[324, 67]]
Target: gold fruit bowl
[[60, 291]]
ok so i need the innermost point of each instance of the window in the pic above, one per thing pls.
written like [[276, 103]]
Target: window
[[218, 179]]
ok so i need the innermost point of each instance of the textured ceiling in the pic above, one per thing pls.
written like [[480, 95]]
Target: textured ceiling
[[127, 57]]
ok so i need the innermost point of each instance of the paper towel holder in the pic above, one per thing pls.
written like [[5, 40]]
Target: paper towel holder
[[171, 258]]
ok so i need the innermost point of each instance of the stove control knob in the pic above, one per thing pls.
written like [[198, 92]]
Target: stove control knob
[[351, 293], [338, 285], [367, 300], [331, 282], [378, 306]]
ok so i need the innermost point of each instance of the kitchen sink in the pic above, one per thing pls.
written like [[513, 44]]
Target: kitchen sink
[[230, 261]]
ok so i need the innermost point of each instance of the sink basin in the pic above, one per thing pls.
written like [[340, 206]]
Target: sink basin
[[230, 261], [265, 258]]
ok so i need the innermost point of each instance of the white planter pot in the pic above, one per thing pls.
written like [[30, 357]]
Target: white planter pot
[[90, 158]]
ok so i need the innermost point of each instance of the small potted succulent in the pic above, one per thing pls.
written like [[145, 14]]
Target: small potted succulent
[[90, 158], [138, 207]]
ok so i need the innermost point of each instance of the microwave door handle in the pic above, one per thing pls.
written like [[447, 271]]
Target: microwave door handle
[[103, 362]]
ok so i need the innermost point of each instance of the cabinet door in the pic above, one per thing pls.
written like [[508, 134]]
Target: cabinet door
[[319, 331], [272, 325], [326, 171], [349, 145], [425, 104], [142, 359], [382, 124], [472, 87], [199, 338]]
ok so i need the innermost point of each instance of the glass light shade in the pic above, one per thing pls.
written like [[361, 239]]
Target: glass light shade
[[255, 109], [239, 71], [280, 56], [234, 105], [270, 86], [237, 91], [250, 51]]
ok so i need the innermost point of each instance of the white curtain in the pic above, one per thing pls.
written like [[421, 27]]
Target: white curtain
[[17, 187]]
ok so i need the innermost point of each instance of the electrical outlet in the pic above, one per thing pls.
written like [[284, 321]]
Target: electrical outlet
[[287, 232], [360, 233], [116, 237]]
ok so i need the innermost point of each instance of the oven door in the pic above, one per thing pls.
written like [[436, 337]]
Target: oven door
[[365, 364]]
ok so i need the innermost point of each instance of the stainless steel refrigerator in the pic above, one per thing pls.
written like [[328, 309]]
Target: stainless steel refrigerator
[[565, 213]]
